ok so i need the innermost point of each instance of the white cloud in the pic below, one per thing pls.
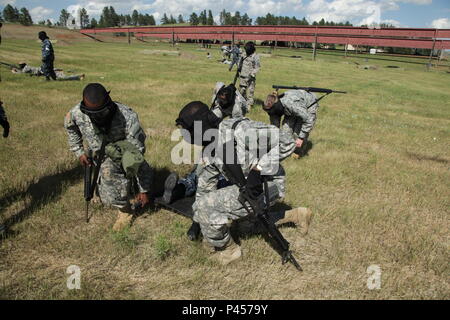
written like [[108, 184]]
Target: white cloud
[[442, 23], [420, 2], [5, 2], [40, 13]]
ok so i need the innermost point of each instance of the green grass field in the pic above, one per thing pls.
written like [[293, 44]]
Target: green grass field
[[377, 179]]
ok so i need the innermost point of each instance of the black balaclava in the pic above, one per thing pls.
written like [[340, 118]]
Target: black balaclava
[[97, 105], [42, 35], [197, 111], [249, 48], [226, 97]]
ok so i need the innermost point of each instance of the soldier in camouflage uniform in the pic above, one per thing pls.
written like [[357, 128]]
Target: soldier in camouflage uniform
[[48, 56], [235, 56], [248, 68], [99, 121], [215, 209], [299, 109], [36, 71], [4, 121], [226, 102]]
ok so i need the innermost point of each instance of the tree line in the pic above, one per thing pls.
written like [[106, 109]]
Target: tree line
[[12, 14]]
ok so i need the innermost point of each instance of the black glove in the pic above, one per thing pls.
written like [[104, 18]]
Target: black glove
[[5, 125], [254, 184]]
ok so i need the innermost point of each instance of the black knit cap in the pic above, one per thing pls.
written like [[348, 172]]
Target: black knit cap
[[95, 93]]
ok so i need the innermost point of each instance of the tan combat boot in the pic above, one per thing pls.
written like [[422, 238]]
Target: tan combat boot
[[123, 221], [230, 252], [301, 217]]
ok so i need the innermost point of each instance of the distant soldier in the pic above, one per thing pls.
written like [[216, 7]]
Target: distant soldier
[[249, 66], [235, 56], [299, 109], [215, 209], [4, 121], [105, 124], [226, 51], [48, 56], [36, 71]]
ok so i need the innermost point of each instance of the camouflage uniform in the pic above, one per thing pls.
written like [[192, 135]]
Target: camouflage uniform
[[214, 209], [48, 57], [298, 118], [36, 71], [247, 76], [235, 55], [113, 186]]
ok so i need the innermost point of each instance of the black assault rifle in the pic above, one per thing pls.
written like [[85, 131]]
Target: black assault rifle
[[252, 206], [12, 66], [91, 174], [238, 70], [309, 89]]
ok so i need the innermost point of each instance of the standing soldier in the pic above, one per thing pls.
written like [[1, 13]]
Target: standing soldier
[[235, 55], [215, 209], [299, 109], [48, 56], [4, 121], [248, 68], [114, 128]]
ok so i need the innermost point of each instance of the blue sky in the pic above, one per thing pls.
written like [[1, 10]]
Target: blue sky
[[401, 13]]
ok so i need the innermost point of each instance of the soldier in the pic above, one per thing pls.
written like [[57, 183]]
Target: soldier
[[36, 71], [48, 56], [214, 209], [235, 56], [299, 109], [248, 68], [4, 121], [115, 128], [226, 102]]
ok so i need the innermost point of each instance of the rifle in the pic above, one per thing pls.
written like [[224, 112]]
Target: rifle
[[10, 65], [91, 174], [238, 70], [309, 89], [235, 174]]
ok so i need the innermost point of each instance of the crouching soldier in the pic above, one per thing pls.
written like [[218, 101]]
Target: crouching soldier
[[113, 129], [299, 109], [215, 209]]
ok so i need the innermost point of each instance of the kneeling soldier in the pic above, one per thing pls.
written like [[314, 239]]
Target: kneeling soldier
[[111, 128], [299, 109], [214, 209]]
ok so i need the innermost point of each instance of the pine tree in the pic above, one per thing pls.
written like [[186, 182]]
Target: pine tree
[[180, 19], [10, 13], [94, 23], [63, 17], [25, 18], [164, 19], [210, 20], [193, 19], [134, 18]]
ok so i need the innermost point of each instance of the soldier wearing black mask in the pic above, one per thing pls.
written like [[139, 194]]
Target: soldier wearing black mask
[[104, 124]]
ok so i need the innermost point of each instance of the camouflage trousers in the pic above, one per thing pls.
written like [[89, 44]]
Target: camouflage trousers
[[247, 89], [190, 182], [217, 209], [114, 188]]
